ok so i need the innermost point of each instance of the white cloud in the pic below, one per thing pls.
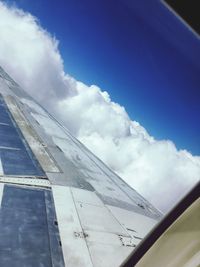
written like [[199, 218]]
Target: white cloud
[[155, 168], [30, 54]]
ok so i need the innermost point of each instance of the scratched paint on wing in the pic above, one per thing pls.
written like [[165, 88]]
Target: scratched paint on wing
[[16, 157]]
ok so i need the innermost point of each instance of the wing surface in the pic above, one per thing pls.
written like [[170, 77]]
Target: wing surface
[[59, 204]]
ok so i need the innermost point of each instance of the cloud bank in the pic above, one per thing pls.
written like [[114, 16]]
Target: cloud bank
[[159, 171]]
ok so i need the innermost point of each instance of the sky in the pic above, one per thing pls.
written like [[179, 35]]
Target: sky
[[140, 53], [123, 76]]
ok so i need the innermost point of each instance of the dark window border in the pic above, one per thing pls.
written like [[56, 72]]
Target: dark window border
[[187, 10]]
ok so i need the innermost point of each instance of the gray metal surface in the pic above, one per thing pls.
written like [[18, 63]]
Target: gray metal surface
[[16, 157], [101, 219], [28, 234]]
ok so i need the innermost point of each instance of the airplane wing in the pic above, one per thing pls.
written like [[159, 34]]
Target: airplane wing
[[59, 204]]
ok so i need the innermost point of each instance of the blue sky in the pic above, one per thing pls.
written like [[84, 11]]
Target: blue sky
[[139, 52]]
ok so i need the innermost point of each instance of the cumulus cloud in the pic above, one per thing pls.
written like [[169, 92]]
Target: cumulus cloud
[[30, 54], [156, 169]]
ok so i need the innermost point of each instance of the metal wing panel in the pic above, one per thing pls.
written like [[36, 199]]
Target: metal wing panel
[[100, 218], [28, 235]]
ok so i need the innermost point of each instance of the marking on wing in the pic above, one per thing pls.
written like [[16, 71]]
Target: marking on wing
[[25, 181]]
